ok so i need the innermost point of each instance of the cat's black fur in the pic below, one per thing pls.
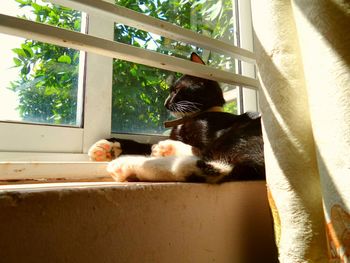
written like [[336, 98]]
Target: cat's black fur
[[233, 139]]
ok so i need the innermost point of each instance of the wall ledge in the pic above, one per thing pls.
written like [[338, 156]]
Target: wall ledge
[[136, 222]]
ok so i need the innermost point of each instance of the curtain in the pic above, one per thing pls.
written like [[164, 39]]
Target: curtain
[[303, 57]]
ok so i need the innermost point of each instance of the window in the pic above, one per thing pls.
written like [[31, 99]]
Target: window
[[101, 70], [39, 81], [137, 98]]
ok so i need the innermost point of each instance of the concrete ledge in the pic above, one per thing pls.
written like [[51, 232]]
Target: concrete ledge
[[136, 222]]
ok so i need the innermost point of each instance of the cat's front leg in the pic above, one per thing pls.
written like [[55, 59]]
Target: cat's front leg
[[104, 150], [109, 149], [171, 148]]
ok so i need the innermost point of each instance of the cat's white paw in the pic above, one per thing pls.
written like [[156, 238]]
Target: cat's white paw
[[104, 151], [171, 148], [125, 168]]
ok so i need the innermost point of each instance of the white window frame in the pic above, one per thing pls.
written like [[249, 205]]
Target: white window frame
[[247, 98], [44, 143]]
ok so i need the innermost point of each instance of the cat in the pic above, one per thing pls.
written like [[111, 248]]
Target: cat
[[205, 143]]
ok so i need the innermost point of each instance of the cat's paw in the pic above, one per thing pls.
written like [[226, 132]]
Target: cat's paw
[[171, 148], [104, 151], [125, 168]]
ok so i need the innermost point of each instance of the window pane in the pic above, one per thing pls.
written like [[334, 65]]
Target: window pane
[[154, 42], [39, 81], [138, 98], [43, 12], [139, 91], [139, 95], [213, 18]]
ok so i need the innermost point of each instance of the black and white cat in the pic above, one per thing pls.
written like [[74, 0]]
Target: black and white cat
[[205, 144]]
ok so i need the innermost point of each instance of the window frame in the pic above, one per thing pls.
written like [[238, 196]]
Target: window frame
[[43, 143]]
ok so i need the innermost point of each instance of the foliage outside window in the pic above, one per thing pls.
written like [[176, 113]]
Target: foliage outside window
[[48, 78], [47, 83], [142, 90]]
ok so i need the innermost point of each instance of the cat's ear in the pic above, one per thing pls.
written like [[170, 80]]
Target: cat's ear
[[196, 58]]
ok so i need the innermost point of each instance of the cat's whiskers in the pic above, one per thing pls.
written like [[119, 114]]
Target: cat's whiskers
[[184, 107]]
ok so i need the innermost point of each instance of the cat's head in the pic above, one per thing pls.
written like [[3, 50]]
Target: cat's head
[[191, 94]]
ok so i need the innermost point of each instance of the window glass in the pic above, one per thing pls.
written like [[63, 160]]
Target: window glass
[[138, 98], [43, 12], [139, 91], [139, 38], [39, 81], [213, 18]]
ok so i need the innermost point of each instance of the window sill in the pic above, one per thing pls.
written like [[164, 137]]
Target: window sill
[[61, 186], [52, 171]]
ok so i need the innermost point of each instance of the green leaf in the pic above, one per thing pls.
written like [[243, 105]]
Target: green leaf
[[20, 52], [133, 72], [183, 2], [64, 59], [27, 50], [77, 24], [25, 70], [213, 11], [18, 62], [24, 2], [200, 2]]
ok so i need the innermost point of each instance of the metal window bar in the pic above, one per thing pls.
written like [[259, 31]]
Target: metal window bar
[[58, 36], [137, 20]]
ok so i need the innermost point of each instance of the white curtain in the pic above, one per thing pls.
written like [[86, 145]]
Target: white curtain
[[303, 56]]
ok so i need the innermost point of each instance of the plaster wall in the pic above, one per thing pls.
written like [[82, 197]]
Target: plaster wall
[[136, 222]]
